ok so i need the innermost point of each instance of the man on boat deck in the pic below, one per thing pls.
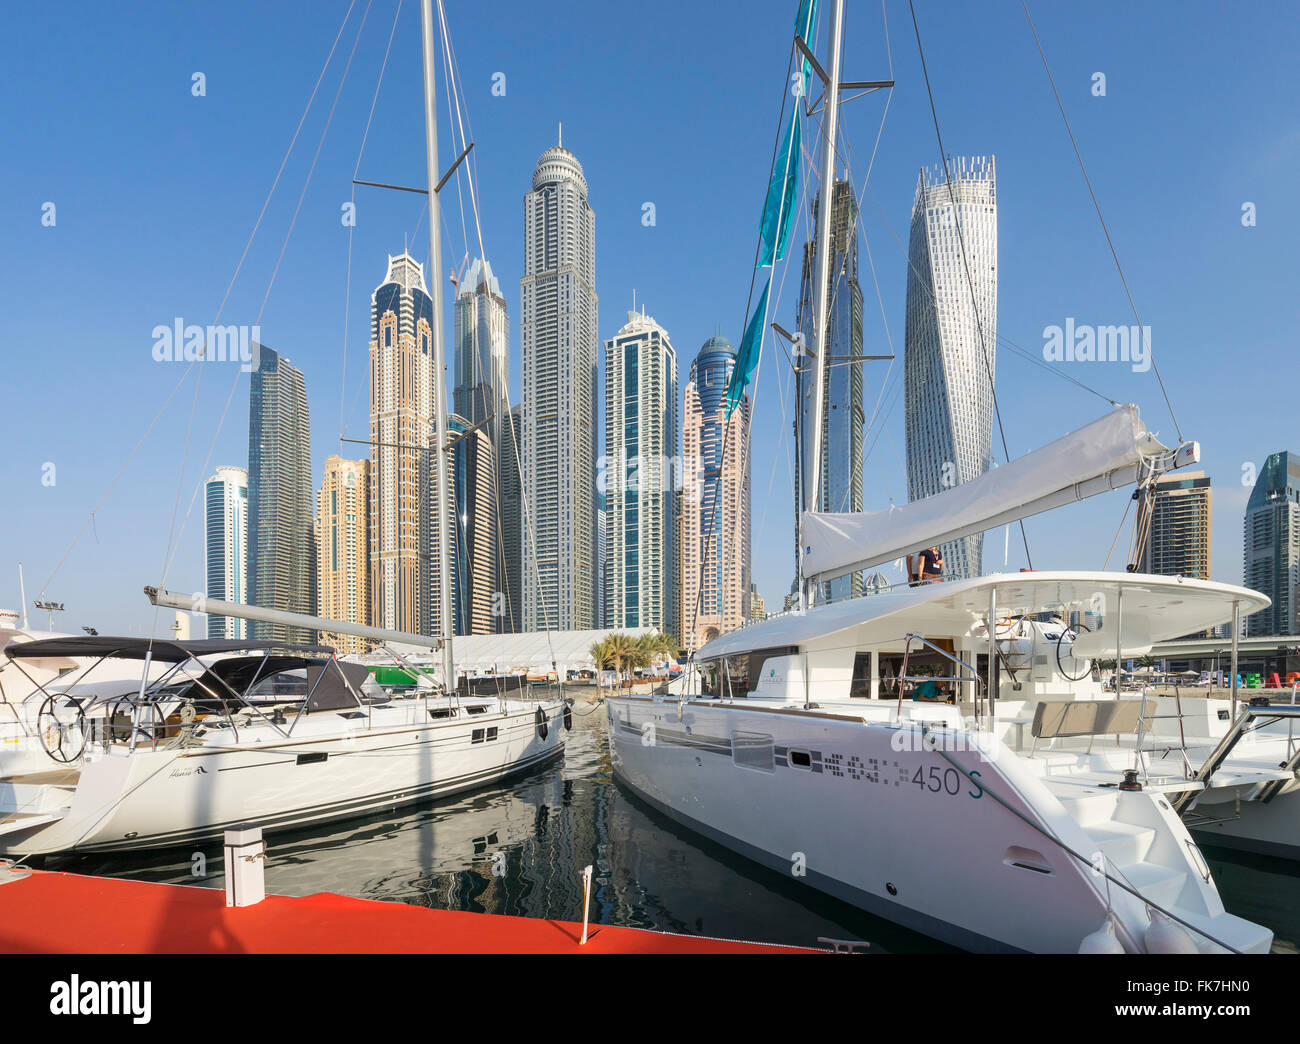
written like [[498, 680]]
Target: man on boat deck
[[928, 565]]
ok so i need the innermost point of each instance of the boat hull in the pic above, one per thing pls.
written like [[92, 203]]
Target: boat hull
[[165, 798]]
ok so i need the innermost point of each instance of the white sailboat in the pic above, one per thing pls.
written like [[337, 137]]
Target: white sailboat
[[279, 740], [796, 741]]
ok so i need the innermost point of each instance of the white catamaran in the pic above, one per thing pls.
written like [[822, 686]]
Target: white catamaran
[[1018, 815], [237, 732]]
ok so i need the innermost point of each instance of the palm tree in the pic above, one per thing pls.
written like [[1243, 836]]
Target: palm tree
[[600, 653], [621, 650]]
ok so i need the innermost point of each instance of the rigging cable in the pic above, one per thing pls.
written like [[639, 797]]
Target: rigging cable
[[1097, 206]]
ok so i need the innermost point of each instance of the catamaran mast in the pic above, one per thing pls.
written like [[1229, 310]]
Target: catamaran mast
[[444, 604], [830, 119]]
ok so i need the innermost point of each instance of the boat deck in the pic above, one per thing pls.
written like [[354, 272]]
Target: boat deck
[[50, 912]]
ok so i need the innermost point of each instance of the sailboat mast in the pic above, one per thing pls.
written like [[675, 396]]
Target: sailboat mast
[[830, 120], [444, 602]]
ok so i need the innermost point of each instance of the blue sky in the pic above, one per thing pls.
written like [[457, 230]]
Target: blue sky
[[156, 192]]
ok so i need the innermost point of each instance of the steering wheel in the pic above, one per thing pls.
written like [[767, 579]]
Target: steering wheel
[[1073, 633], [58, 716], [152, 723]]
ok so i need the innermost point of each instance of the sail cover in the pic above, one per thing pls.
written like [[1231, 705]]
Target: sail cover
[[1105, 454]]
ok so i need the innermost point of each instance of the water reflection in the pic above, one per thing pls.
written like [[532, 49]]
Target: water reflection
[[520, 849]]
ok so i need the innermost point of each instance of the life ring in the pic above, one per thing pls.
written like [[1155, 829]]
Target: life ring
[[568, 718], [542, 727]]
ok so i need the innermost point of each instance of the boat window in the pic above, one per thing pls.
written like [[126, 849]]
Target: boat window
[[800, 759], [860, 686], [477, 737], [442, 712], [479, 708], [753, 750], [492, 734]]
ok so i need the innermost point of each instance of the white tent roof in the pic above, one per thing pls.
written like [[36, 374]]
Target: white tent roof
[[504, 653]]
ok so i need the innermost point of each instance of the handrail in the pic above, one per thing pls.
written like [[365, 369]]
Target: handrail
[[951, 657]]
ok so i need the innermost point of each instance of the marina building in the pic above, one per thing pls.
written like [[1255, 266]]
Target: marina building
[[474, 574]]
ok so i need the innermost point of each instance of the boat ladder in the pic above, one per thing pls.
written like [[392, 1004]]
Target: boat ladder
[[1245, 723]]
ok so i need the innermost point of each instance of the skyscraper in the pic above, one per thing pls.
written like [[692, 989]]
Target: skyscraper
[[950, 345], [225, 514], [402, 387], [1272, 545], [342, 552], [509, 609], [559, 346], [1176, 525], [482, 360], [640, 444], [714, 576], [475, 530], [840, 484], [281, 536]]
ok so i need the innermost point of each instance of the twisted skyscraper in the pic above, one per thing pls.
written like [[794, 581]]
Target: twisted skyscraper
[[952, 313]]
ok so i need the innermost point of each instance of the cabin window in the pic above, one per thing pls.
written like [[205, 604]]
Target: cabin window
[[800, 759], [753, 750], [477, 737], [491, 734], [480, 708], [442, 712]]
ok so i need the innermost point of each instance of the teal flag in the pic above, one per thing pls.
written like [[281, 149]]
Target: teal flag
[[782, 189], [747, 357]]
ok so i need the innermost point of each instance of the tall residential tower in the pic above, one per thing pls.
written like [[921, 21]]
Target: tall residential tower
[[402, 385], [281, 537], [713, 570], [639, 478], [225, 511], [559, 346], [840, 484], [1272, 545], [342, 551]]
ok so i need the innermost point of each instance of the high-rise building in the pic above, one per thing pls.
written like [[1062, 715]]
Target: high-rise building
[[342, 549], [757, 607], [480, 394], [639, 478], [603, 612], [225, 516], [1272, 545], [475, 529], [559, 343], [1176, 527], [840, 483], [402, 388], [713, 573], [281, 533], [509, 608], [950, 345]]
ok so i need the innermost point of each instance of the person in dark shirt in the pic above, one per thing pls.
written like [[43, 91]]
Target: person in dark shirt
[[930, 565]]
